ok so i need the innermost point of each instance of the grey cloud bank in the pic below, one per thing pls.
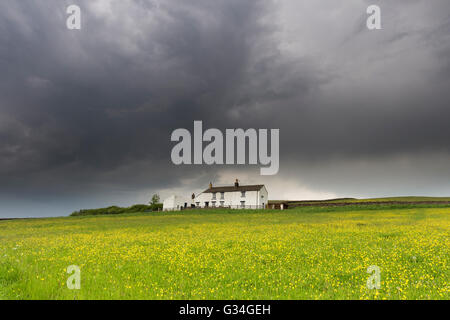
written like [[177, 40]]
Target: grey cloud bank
[[86, 115]]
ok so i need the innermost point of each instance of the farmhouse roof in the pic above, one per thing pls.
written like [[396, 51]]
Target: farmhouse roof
[[256, 187]]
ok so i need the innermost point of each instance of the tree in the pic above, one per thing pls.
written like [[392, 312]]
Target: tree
[[155, 200]]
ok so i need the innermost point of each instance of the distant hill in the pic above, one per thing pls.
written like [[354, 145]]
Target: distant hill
[[369, 201]]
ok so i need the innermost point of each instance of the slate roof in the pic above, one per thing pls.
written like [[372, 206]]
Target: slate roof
[[256, 187]]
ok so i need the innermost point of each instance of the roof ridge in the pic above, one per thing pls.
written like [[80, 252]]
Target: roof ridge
[[231, 188]]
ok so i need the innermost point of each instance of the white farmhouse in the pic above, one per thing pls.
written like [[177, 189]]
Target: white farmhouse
[[174, 202], [236, 197]]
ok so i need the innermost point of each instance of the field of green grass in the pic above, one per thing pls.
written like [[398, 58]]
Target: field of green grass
[[301, 253]]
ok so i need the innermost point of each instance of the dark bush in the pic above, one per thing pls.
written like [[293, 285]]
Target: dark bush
[[118, 210]]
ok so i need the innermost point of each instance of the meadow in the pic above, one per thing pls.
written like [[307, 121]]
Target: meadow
[[301, 253]]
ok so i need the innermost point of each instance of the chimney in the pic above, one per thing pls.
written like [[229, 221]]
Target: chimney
[[236, 183], [210, 185]]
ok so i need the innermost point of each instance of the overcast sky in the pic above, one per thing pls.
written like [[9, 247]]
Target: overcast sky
[[86, 115]]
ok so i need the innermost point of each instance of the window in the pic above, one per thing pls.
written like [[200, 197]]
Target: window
[[222, 195], [213, 203], [242, 204], [214, 195], [222, 203], [242, 194], [197, 204]]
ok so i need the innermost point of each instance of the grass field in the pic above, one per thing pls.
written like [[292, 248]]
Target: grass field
[[301, 253]]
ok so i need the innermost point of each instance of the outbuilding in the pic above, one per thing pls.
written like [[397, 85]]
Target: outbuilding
[[174, 202]]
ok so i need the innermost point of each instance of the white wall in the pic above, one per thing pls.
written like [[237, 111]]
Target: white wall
[[174, 203], [263, 197]]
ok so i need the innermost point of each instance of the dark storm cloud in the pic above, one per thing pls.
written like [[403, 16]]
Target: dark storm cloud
[[80, 106], [105, 96], [86, 116]]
